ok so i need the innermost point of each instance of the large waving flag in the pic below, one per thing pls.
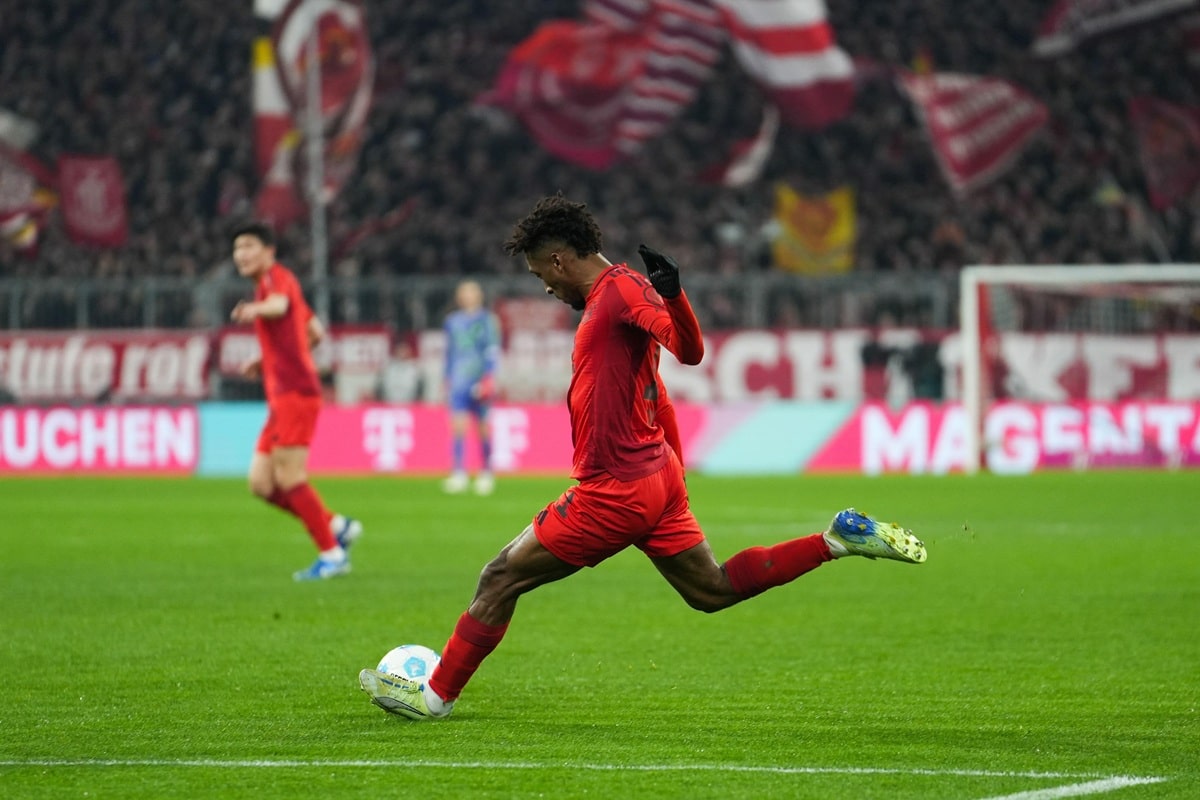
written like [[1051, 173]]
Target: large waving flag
[[347, 70], [681, 43], [280, 62], [567, 84], [814, 235], [593, 92], [976, 125], [788, 47], [1070, 22]]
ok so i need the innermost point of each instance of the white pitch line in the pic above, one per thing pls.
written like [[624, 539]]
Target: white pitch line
[[1079, 789], [519, 765]]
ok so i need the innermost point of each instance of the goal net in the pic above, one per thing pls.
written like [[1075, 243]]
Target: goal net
[[1080, 366]]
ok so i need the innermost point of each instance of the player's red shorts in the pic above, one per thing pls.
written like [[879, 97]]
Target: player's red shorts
[[600, 518], [291, 420]]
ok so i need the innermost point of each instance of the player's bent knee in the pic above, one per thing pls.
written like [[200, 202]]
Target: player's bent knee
[[708, 601], [261, 488]]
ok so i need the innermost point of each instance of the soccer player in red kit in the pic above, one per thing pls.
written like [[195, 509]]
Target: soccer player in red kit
[[630, 488], [287, 330]]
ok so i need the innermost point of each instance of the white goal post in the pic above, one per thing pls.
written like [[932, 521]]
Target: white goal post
[[975, 281]]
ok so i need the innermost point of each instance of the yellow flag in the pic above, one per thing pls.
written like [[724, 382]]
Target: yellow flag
[[815, 234]]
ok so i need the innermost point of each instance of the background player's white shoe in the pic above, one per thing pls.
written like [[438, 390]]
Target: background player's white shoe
[[457, 483], [484, 483], [322, 569]]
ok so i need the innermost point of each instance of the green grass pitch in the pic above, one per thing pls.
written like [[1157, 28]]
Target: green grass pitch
[[153, 644]]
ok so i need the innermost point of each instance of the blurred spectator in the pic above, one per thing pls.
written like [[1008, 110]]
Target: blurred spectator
[[168, 94], [400, 381]]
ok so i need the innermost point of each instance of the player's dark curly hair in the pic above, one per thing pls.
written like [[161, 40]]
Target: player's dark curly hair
[[259, 230], [555, 219]]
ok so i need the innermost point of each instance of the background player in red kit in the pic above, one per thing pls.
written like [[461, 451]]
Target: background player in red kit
[[630, 487], [287, 330]]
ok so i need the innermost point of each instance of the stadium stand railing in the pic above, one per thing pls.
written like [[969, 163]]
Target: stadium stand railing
[[753, 300]]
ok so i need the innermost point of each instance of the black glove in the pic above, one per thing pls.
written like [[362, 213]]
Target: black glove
[[662, 271]]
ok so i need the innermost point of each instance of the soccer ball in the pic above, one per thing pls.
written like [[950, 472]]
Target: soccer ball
[[413, 661]]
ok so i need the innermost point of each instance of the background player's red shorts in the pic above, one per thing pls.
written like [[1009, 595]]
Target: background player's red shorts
[[291, 420], [600, 518]]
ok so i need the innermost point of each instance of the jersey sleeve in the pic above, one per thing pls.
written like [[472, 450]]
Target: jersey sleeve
[[671, 323]]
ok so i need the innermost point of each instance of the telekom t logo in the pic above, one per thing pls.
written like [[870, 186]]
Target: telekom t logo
[[510, 437], [388, 436]]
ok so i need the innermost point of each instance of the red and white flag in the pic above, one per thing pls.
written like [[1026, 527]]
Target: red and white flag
[[92, 189], [788, 47], [1168, 137], [682, 41], [977, 125], [347, 70], [26, 198], [347, 77], [567, 85], [594, 92], [1070, 22]]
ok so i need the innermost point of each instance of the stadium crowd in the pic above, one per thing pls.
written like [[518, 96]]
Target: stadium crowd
[[169, 95]]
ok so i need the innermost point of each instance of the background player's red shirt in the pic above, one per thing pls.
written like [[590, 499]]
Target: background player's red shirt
[[287, 364], [614, 393]]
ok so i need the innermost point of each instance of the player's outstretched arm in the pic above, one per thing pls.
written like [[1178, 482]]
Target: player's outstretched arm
[[682, 336]]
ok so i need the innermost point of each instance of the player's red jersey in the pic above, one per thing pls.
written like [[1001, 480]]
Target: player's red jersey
[[614, 393], [287, 364]]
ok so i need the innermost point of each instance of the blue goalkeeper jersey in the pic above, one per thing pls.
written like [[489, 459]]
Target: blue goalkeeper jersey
[[472, 348]]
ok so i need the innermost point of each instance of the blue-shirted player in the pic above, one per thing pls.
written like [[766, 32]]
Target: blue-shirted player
[[472, 350]]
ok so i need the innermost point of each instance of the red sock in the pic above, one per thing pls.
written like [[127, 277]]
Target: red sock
[[306, 504], [469, 645], [278, 499], [757, 569]]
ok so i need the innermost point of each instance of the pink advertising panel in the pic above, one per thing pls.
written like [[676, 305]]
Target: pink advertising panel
[[1018, 438], [380, 438], [109, 440], [415, 438]]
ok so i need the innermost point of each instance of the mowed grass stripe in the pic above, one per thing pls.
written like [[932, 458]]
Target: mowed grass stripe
[[517, 765]]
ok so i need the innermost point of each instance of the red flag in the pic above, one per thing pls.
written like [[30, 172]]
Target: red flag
[[976, 125], [1168, 138], [566, 83], [1070, 22], [93, 200], [788, 47]]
